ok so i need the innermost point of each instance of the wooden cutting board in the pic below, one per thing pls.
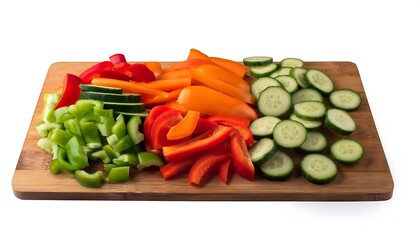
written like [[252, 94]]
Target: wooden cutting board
[[368, 180]]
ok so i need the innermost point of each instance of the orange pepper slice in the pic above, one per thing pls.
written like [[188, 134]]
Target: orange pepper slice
[[185, 127]]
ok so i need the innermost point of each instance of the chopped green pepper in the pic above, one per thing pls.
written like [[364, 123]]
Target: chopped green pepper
[[118, 174], [73, 126], [77, 156], [61, 137], [149, 159], [50, 101], [91, 135], [126, 159], [90, 180], [55, 166], [133, 129], [119, 128], [123, 144], [63, 161]]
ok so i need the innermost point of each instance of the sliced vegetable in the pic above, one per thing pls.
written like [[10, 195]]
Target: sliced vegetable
[[318, 168], [71, 91], [185, 127], [263, 71], [289, 134], [274, 101], [241, 159], [340, 121], [291, 62], [225, 75], [279, 167], [345, 99], [224, 170], [196, 54], [118, 174], [317, 79], [263, 126], [149, 159], [346, 151], [90, 180], [262, 150], [235, 67], [204, 165], [128, 86], [257, 61]]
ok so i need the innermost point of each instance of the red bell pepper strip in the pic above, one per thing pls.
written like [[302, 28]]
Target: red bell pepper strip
[[117, 58], [224, 170], [141, 73], [123, 68], [199, 143], [174, 168], [148, 123], [160, 129], [71, 91], [230, 119], [90, 73], [203, 125], [240, 157], [205, 164]]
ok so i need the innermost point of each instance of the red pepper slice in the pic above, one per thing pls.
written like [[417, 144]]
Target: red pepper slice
[[117, 58], [71, 91], [224, 170], [89, 73], [205, 164], [174, 168], [240, 157], [148, 123], [123, 68], [203, 125], [199, 143], [229, 119], [141, 73]]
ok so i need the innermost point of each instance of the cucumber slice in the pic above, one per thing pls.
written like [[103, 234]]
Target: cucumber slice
[[257, 61], [279, 167], [263, 71], [281, 71], [310, 110], [263, 126], [309, 124], [262, 150], [289, 83], [346, 99], [274, 101], [317, 79], [307, 94], [318, 168], [299, 74], [111, 97], [102, 89], [291, 62], [340, 121], [346, 151], [125, 107], [289, 133], [262, 83], [315, 142]]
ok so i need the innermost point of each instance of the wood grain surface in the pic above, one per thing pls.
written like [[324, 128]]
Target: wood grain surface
[[368, 180]]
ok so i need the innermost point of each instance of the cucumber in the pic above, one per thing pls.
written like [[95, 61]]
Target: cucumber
[[289, 133], [111, 97], [257, 61], [262, 83], [274, 101], [315, 142], [102, 89], [346, 151], [317, 79], [291, 62], [299, 74], [309, 124], [310, 110], [125, 107], [281, 71], [262, 71], [318, 168], [289, 83], [128, 115], [263, 126], [262, 150], [279, 167], [307, 94], [346, 99], [339, 121]]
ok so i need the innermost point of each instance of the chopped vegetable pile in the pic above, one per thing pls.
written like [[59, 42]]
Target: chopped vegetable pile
[[202, 116]]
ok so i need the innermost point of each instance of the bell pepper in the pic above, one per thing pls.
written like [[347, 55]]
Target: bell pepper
[[225, 75], [229, 119], [199, 143], [155, 67], [205, 164], [160, 129], [235, 67], [90, 134], [186, 64], [185, 127], [76, 155], [172, 169], [149, 159], [148, 122], [118, 174], [63, 161], [71, 91], [87, 75], [117, 58], [90, 180], [210, 79], [240, 157], [50, 101], [141, 73], [211, 102], [224, 170], [203, 125], [196, 54], [240, 124]]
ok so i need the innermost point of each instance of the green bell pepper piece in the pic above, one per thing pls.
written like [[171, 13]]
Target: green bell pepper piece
[[126, 159], [44, 129], [90, 180], [55, 166], [133, 129], [62, 159], [73, 126], [50, 101], [149, 159], [118, 174], [61, 137], [123, 144], [119, 128], [76, 154], [109, 166], [91, 135]]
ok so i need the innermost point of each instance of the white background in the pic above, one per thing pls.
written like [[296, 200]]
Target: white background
[[381, 37]]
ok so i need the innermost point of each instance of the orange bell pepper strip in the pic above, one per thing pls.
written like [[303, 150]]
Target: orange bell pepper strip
[[155, 67], [182, 73], [225, 75], [131, 87], [185, 127], [212, 102], [236, 67], [178, 106], [169, 84], [159, 100], [196, 54], [201, 75], [187, 64]]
